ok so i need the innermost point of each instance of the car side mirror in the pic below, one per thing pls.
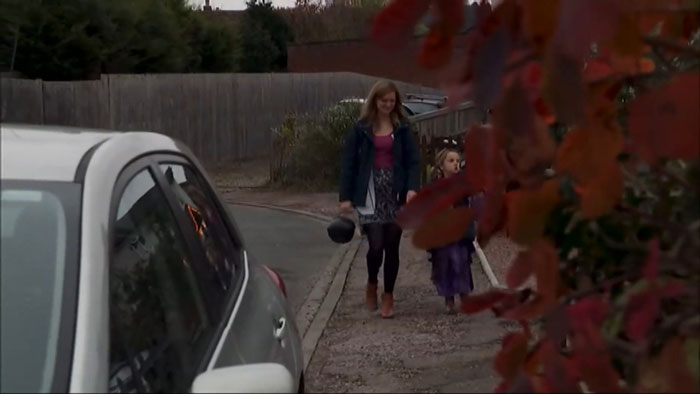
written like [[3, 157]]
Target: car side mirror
[[251, 378]]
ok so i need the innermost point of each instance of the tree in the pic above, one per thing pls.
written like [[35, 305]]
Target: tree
[[80, 39], [316, 21], [54, 39], [595, 118], [258, 52], [264, 36]]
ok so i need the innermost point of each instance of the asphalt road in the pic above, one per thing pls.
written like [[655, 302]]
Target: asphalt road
[[295, 246]]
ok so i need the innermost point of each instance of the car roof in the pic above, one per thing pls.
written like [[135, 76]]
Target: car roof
[[48, 153]]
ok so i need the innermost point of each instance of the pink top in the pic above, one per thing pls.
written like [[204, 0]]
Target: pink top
[[383, 154]]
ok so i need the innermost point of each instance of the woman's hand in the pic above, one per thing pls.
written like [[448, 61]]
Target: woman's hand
[[345, 207], [410, 195]]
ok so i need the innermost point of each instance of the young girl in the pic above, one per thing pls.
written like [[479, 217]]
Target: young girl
[[451, 263]]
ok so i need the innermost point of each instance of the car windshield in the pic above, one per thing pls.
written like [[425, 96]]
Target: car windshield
[[420, 107], [39, 253]]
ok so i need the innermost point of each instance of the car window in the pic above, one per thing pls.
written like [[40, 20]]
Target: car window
[[158, 323], [218, 273], [39, 223], [420, 107]]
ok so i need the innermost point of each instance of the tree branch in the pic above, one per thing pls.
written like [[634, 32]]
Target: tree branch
[[658, 42]]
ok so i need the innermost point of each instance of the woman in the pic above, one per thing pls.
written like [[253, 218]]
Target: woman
[[380, 172]]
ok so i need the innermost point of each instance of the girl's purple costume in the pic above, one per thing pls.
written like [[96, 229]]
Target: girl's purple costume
[[451, 272]]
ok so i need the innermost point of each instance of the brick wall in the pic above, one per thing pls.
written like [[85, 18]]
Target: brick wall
[[365, 57]]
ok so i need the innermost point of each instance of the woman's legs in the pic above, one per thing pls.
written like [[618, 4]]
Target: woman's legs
[[375, 253], [383, 240], [392, 239]]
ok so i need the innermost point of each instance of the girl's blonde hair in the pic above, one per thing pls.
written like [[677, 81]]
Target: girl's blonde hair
[[380, 89], [439, 160]]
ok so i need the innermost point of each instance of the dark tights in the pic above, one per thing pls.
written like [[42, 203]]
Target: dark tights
[[383, 241]]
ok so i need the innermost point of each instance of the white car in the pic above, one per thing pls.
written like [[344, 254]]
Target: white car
[[123, 271]]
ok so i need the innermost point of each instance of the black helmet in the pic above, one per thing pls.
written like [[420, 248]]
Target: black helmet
[[341, 230]]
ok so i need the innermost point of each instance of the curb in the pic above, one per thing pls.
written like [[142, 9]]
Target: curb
[[313, 301], [332, 296], [486, 266]]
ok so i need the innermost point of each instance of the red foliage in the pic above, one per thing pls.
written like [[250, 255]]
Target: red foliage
[[532, 62], [673, 108]]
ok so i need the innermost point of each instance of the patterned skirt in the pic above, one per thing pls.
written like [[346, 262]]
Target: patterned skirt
[[385, 206]]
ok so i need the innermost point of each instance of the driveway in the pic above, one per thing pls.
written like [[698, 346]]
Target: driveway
[[296, 246]]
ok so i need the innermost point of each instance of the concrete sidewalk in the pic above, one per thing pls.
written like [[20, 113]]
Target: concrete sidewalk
[[420, 350]]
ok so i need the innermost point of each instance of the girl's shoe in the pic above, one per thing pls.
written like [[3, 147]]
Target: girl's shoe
[[387, 305], [450, 306], [371, 296]]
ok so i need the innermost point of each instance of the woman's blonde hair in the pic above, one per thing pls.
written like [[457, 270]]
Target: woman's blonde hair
[[439, 160], [380, 89]]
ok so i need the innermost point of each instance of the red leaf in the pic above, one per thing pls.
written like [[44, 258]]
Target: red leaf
[[590, 309], [479, 302], [432, 199], [395, 23], [600, 195], [508, 361], [436, 49], [557, 325], [543, 110], [593, 360], [584, 22], [669, 371], [589, 349], [651, 268], [626, 39], [563, 87], [586, 151], [666, 122], [528, 211], [520, 269], [533, 309], [493, 218], [479, 150], [546, 267], [540, 21], [673, 288], [529, 144], [539, 355], [596, 69], [642, 310], [444, 228], [533, 74], [558, 376], [674, 367]]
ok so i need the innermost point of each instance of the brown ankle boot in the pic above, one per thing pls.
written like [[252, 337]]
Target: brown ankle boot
[[387, 305], [371, 296]]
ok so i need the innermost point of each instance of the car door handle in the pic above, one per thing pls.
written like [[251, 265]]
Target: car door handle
[[280, 326]]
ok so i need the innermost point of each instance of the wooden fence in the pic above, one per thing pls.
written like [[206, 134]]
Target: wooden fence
[[220, 116]]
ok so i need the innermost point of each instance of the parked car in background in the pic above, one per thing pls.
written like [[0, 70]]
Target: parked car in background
[[419, 103], [123, 271]]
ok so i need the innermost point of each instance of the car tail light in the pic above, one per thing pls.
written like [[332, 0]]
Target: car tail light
[[277, 279]]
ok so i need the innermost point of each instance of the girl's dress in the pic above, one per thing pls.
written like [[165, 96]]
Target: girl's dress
[[451, 272]]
